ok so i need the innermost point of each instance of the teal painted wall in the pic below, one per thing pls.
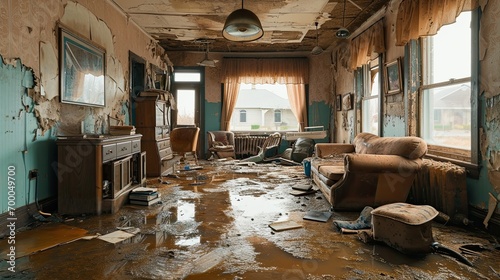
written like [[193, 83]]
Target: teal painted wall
[[23, 149], [319, 114]]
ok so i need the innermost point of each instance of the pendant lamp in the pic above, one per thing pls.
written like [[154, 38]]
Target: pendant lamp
[[242, 25], [317, 49], [342, 32]]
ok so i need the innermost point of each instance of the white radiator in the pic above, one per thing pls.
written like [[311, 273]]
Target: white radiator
[[248, 144]]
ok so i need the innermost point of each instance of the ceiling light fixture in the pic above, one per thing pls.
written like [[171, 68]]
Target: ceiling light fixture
[[242, 25], [207, 62], [317, 49], [343, 32]]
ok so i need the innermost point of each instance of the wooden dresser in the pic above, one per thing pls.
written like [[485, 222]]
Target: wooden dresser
[[96, 173], [153, 122]]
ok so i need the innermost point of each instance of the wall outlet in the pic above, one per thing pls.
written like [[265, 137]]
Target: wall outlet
[[33, 174]]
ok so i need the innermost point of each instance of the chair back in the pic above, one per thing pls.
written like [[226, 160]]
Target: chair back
[[184, 139]]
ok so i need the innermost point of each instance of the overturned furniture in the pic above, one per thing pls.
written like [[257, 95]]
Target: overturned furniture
[[221, 144], [270, 148], [372, 171]]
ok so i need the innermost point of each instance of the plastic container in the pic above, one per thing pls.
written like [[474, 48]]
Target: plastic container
[[307, 167]]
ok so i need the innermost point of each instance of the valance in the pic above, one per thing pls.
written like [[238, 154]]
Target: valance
[[265, 70], [417, 18], [369, 42]]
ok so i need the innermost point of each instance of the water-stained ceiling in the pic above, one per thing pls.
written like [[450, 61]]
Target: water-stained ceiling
[[289, 25]]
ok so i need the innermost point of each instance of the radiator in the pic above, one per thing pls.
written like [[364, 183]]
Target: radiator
[[441, 185], [248, 144]]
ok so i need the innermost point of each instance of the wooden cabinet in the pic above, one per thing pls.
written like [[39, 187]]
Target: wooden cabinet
[[95, 174], [153, 122]]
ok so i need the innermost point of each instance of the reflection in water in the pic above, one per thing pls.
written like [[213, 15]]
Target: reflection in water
[[185, 211], [187, 241]]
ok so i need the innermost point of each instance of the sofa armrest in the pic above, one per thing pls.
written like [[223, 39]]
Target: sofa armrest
[[368, 163], [324, 150]]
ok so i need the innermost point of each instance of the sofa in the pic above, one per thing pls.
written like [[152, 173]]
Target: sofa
[[372, 171]]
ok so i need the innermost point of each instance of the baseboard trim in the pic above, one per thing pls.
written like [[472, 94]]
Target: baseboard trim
[[478, 214], [24, 215]]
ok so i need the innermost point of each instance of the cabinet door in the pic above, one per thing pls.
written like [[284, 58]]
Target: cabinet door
[[160, 114]]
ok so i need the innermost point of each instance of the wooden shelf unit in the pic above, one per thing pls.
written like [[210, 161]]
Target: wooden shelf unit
[[153, 122], [85, 164]]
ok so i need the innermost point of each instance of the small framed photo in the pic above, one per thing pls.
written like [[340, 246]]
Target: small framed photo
[[347, 101], [338, 102], [393, 78]]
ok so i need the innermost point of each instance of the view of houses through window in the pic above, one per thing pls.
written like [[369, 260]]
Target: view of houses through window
[[263, 107], [446, 90]]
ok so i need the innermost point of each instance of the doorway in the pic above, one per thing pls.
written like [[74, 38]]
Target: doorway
[[187, 88]]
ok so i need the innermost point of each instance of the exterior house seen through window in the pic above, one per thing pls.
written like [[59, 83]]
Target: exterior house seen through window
[[263, 107], [446, 89]]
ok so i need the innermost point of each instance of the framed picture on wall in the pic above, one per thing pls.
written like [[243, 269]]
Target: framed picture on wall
[[347, 101], [393, 78], [81, 70], [338, 102]]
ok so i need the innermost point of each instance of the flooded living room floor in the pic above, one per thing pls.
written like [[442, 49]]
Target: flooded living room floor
[[214, 223]]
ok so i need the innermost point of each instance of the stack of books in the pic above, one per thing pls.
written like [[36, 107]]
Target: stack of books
[[144, 196]]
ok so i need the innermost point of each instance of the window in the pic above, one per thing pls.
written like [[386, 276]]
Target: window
[[446, 120], [263, 107], [243, 116], [370, 101]]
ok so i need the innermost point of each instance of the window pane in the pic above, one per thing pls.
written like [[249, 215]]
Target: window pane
[[370, 115], [267, 109], [187, 77], [447, 116], [185, 107], [448, 53]]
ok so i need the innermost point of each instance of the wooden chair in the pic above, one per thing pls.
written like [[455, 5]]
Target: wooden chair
[[184, 140]]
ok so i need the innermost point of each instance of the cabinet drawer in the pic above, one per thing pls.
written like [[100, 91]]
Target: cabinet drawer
[[163, 144], [136, 146], [123, 149], [108, 152], [166, 153]]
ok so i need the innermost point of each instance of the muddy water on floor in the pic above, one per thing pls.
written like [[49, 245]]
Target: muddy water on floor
[[214, 224]]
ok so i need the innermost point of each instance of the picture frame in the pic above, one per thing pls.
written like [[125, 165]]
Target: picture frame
[[81, 70], [338, 102], [393, 77], [347, 101]]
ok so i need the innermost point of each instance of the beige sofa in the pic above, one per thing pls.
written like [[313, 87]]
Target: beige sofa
[[372, 171]]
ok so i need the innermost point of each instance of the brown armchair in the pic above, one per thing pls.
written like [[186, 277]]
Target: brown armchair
[[372, 171], [184, 140], [221, 144]]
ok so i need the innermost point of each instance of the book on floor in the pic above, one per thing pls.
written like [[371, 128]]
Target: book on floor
[[318, 216], [144, 190], [302, 187], [146, 203], [284, 225], [143, 197]]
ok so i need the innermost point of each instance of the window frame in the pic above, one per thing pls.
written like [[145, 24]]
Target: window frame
[[367, 89], [468, 159]]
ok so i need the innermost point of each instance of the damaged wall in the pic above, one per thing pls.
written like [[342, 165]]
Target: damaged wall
[[31, 30], [401, 110]]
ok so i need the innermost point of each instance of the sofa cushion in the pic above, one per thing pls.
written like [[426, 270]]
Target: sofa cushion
[[409, 147], [334, 173]]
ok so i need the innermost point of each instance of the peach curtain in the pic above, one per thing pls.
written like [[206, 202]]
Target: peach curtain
[[417, 18], [289, 71], [363, 46], [297, 99]]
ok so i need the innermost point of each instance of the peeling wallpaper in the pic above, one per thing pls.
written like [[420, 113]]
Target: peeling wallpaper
[[32, 31]]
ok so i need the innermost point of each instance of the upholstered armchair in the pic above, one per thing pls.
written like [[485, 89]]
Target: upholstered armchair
[[221, 144], [184, 140], [372, 171]]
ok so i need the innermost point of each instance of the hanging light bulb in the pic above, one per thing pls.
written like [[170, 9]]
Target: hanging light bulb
[[317, 49], [207, 62], [342, 32], [242, 25]]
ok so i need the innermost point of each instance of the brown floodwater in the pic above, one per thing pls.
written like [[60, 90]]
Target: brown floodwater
[[214, 224]]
